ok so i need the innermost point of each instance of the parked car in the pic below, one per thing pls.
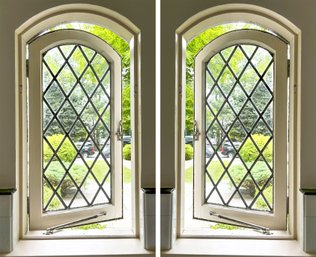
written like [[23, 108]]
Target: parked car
[[188, 139], [208, 150], [106, 151], [87, 150], [127, 139], [228, 150]]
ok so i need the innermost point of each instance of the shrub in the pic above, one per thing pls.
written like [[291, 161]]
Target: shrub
[[55, 173], [268, 193], [188, 152], [66, 152], [54, 204], [249, 152], [127, 152], [260, 172]]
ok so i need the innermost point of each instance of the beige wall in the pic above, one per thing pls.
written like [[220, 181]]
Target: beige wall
[[301, 13], [13, 13]]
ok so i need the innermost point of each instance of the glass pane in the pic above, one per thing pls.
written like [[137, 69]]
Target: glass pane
[[76, 128], [239, 128]]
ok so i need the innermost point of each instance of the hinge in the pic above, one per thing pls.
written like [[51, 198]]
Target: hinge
[[288, 67], [180, 89], [27, 68], [28, 205], [287, 205]]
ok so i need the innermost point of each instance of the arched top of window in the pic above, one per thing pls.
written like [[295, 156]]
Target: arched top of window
[[231, 13], [85, 13]]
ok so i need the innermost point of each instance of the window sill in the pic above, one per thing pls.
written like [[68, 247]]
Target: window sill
[[80, 247], [235, 248]]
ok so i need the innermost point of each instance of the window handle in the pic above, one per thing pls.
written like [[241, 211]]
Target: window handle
[[76, 223], [119, 132], [240, 223], [196, 132]]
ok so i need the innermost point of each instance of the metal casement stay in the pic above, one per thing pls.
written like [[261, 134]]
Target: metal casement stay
[[76, 223], [241, 223]]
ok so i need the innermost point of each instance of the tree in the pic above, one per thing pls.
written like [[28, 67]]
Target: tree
[[78, 98], [225, 80]]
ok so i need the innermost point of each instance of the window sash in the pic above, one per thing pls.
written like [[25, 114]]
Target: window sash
[[38, 219], [277, 219]]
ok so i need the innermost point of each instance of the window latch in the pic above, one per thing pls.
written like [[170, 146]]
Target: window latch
[[196, 132], [76, 223], [240, 223], [119, 132]]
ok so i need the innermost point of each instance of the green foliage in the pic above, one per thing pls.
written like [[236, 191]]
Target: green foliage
[[189, 110], [55, 173], [188, 152], [249, 152], [188, 175], [127, 175], [126, 109], [66, 152], [268, 193], [98, 226], [127, 152], [260, 172], [54, 204], [224, 226]]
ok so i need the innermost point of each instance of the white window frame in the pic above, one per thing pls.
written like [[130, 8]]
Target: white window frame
[[92, 14], [229, 13], [38, 219], [277, 219]]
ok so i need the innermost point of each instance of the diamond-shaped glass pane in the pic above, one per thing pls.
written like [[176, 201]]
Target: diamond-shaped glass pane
[[249, 79], [227, 52], [249, 49], [67, 116], [78, 98], [215, 100], [237, 98], [248, 116], [226, 81], [100, 65], [261, 60], [215, 66], [88, 52], [66, 79], [54, 60], [89, 81], [47, 77], [226, 117], [237, 62], [261, 97], [239, 121], [100, 100], [54, 96], [76, 123], [77, 62]]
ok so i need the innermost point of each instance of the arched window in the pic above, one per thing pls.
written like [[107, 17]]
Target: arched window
[[236, 107], [77, 93]]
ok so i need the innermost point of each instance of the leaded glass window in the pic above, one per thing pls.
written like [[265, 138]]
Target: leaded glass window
[[75, 157], [240, 147], [239, 128], [76, 128]]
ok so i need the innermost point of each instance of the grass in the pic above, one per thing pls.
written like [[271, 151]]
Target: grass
[[224, 226], [215, 169], [98, 226]]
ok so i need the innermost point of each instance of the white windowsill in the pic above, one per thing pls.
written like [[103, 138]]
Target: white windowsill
[[235, 248], [80, 247]]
